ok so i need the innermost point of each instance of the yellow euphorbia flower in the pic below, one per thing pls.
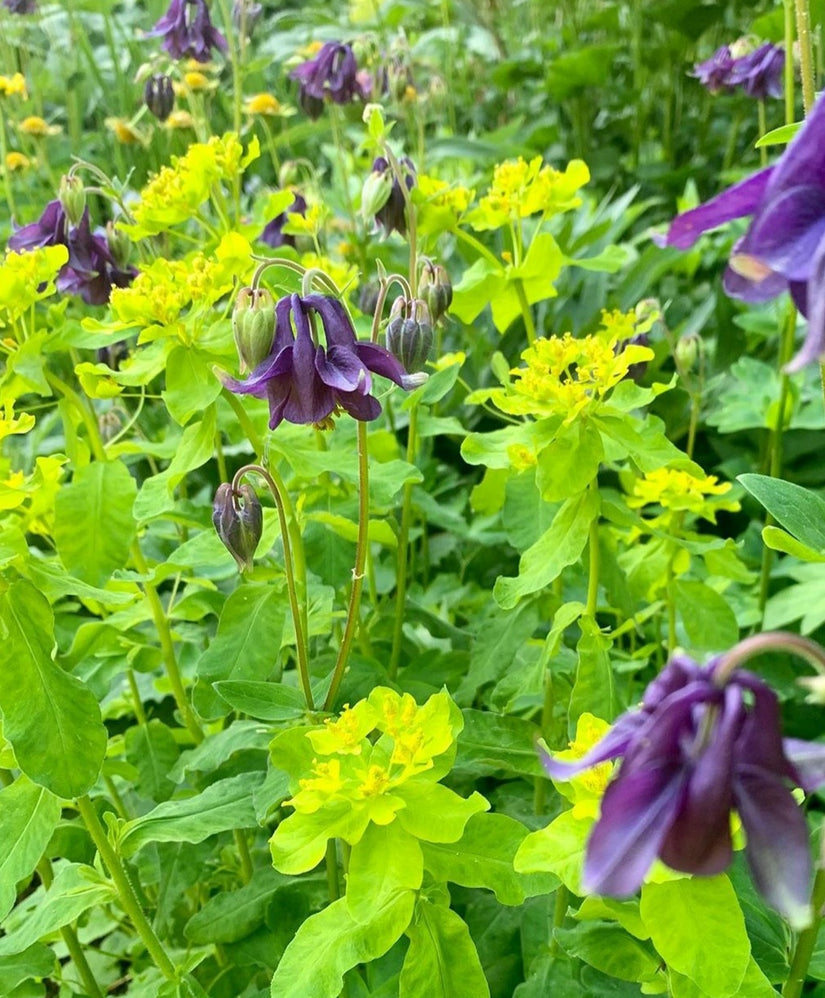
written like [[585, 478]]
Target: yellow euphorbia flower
[[266, 104], [125, 132], [16, 161], [520, 189], [680, 491], [13, 86], [38, 127]]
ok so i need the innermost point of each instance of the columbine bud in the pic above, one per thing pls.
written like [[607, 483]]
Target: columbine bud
[[159, 96], [376, 191], [368, 297], [120, 245], [435, 288], [393, 213], [72, 196], [238, 526], [253, 326], [687, 350], [410, 332], [246, 13]]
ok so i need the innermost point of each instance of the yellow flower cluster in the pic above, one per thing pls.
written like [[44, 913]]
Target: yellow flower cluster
[[440, 194], [38, 127], [177, 192], [27, 277], [564, 374], [678, 491], [585, 790], [13, 86], [520, 189], [348, 765]]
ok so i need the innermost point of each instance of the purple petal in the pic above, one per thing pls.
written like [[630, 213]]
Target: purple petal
[[803, 161], [311, 400], [735, 202], [363, 407], [813, 349], [787, 231], [777, 847], [808, 762], [611, 746], [637, 811], [274, 366], [699, 840], [753, 289], [341, 369], [337, 324], [380, 361]]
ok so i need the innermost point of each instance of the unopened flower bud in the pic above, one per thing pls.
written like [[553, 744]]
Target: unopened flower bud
[[159, 96], [72, 196], [410, 332], [368, 297], [687, 350], [120, 245], [376, 191], [253, 326], [246, 14], [238, 520], [435, 288], [289, 174]]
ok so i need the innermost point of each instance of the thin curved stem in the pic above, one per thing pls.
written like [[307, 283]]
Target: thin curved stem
[[124, 888], [806, 941], [756, 644], [362, 543], [403, 549], [289, 570], [806, 62]]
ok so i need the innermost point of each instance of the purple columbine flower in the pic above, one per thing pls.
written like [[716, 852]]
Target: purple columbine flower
[[784, 246], [699, 747], [332, 73], [759, 73], [273, 234], [49, 230], [21, 6], [392, 215], [714, 73], [306, 382], [188, 33]]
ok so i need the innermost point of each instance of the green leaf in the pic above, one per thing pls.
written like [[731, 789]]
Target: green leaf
[[595, 687], [214, 751], [51, 719], [491, 652], [697, 926], [28, 816], [435, 813], [196, 446], [478, 285], [708, 620], [265, 701], [378, 531], [331, 942], [300, 841], [570, 462], [497, 743], [533, 280], [152, 750], [75, 889], [610, 949], [223, 806], [385, 861], [442, 961], [483, 857], [191, 385], [247, 644], [754, 985], [93, 523], [559, 546], [36, 961], [800, 511], [558, 848], [778, 539], [644, 442], [231, 915]]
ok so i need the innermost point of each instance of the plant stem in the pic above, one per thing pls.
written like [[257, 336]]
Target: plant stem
[[44, 870], [593, 568], [167, 647], [298, 622], [403, 548], [790, 112], [331, 860], [247, 869], [124, 888], [805, 942], [362, 543], [806, 64], [763, 128], [559, 911]]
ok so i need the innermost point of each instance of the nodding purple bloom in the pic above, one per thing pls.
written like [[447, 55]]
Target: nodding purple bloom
[[698, 748], [49, 230], [306, 382], [333, 73], [714, 73], [273, 234], [759, 73], [784, 246], [188, 33], [21, 6], [393, 214], [91, 271]]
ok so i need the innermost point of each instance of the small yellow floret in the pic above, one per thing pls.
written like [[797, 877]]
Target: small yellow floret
[[13, 86], [36, 126], [17, 161], [265, 104]]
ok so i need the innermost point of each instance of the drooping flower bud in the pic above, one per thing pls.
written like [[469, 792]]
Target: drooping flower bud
[[368, 297], [410, 332], [393, 213], [238, 525], [72, 196], [376, 191], [120, 245], [435, 288], [253, 326], [246, 14], [159, 96], [687, 351]]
